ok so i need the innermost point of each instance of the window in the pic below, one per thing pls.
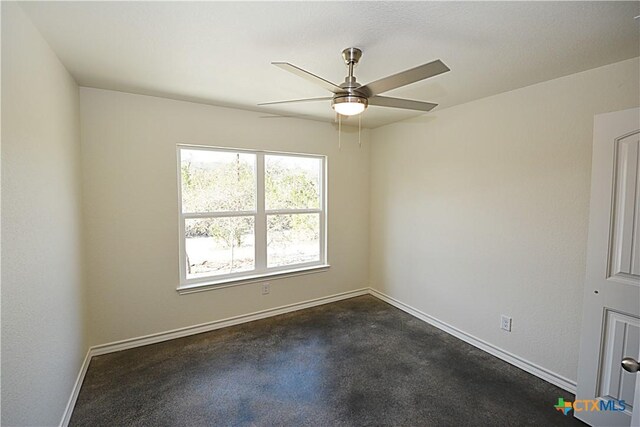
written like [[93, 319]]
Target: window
[[249, 214]]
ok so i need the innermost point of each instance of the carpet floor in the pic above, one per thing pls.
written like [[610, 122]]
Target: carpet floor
[[351, 363]]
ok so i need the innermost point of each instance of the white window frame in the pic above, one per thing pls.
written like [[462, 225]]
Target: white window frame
[[261, 271]]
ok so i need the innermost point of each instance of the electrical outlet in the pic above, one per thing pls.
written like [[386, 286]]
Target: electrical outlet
[[266, 288], [505, 323]]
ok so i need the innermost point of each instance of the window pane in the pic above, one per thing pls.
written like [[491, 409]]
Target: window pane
[[292, 182], [217, 181], [293, 239], [218, 246]]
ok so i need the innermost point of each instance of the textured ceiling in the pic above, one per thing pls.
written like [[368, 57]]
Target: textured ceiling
[[220, 52]]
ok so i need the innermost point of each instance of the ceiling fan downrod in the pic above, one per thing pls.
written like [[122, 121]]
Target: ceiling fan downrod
[[351, 56]]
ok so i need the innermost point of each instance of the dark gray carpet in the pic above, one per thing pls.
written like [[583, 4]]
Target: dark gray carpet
[[350, 363]]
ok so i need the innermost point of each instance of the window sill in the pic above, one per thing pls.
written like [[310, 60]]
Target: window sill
[[244, 280]]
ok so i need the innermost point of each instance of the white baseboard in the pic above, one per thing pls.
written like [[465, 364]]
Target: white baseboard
[[193, 330], [66, 416], [525, 365]]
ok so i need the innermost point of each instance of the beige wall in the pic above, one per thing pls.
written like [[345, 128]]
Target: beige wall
[[481, 210], [131, 210], [42, 323]]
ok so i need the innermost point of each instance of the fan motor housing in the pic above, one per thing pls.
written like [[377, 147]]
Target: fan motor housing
[[351, 99]]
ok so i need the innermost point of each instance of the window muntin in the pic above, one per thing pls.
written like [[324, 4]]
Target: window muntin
[[249, 213]]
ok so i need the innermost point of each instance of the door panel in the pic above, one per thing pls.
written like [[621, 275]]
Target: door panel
[[620, 340], [624, 251]]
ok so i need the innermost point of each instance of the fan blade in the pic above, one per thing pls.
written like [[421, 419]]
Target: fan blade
[[328, 98], [309, 76], [407, 104], [404, 78]]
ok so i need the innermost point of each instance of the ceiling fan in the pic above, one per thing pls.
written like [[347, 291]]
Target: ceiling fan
[[351, 98]]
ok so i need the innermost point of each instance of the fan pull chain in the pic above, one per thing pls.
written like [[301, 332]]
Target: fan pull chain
[[359, 130], [339, 132]]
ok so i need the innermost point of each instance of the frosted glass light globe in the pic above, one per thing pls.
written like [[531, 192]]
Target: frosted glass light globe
[[349, 105]]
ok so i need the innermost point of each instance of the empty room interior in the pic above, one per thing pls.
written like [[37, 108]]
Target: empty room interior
[[320, 213]]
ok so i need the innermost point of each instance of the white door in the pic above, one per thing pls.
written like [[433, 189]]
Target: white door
[[611, 316]]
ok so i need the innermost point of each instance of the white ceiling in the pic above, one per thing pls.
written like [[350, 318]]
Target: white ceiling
[[220, 52]]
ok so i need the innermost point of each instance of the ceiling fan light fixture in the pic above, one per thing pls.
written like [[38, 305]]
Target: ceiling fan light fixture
[[349, 105]]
